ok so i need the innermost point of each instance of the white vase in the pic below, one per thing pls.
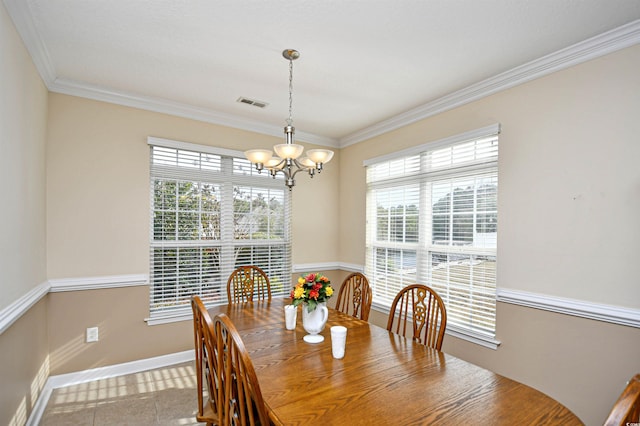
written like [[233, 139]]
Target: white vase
[[313, 322]]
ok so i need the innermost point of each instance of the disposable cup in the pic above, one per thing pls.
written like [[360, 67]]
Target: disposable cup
[[338, 341], [290, 316]]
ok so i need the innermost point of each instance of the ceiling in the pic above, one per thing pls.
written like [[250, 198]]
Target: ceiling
[[365, 66]]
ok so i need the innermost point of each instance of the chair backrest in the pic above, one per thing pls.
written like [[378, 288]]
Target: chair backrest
[[420, 310], [207, 406], [241, 400], [626, 410], [246, 282], [354, 296]]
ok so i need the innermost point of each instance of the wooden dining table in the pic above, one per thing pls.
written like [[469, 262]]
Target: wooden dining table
[[383, 379]]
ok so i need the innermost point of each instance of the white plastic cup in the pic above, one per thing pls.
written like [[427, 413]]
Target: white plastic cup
[[290, 316], [338, 341]]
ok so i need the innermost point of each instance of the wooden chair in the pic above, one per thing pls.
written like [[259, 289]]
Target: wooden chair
[[207, 406], [423, 308], [354, 296], [247, 281], [239, 392], [626, 410]]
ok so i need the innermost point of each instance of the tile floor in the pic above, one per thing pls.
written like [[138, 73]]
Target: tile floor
[[166, 396]]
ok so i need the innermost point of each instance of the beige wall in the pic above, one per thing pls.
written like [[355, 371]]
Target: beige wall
[[124, 336], [98, 225], [24, 364], [23, 116], [98, 187], [568, 199]]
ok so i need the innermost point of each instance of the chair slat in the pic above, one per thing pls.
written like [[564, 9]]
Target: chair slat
[[247, 282], [420, 308], [354, 296]]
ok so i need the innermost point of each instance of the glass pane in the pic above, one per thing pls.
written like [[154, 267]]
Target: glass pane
[[188, 196], [397, 214], [188, 226], [164, 225], [462, 229], [463, 195], [487, 195], [258, 213], [164, 194], [392, 270], [266, 257], [178, 273], [467, 285], [164, 156], [188, 159], [454, 202], [243, 167]]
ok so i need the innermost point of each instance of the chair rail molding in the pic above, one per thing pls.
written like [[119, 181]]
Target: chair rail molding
[[326, 266], [95, 283], [579, 308], [15, 310]]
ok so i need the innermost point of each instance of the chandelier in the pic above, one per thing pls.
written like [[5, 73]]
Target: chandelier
[[288, 159]]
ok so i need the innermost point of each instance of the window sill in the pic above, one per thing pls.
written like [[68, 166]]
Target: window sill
[[169, 317]]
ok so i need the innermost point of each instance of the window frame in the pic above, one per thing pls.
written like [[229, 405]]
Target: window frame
[[408, 168], [231, 174]]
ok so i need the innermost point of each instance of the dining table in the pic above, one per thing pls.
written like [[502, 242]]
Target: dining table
[[383, 379]]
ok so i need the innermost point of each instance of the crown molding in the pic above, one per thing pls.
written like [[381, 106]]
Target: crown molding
[[600, 45], [164, 106], [20, 14]]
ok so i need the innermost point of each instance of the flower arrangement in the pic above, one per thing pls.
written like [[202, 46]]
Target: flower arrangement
[[311, 289]]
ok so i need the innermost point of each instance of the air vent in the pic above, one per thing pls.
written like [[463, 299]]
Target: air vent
[[253, 102]]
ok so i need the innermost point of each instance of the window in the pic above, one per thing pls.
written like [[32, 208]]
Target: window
[[432, 218], [211, 212]]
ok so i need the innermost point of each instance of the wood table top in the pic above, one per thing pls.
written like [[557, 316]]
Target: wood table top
[[383, 378]]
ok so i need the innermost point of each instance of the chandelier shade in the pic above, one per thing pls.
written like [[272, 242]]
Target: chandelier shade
[[258, 155], [288, 158], [288, 150]]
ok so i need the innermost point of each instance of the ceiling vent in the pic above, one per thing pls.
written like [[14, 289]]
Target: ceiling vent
[[253, 102]]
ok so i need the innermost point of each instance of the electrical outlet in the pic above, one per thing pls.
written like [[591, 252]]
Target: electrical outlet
[[92, 334]]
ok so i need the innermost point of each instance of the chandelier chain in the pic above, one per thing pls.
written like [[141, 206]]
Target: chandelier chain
[[290, 119]]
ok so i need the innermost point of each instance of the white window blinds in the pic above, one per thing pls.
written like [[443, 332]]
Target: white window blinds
[[432, 219], [210, 213]]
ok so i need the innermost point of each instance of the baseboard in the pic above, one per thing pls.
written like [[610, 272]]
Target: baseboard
[[62, 380]]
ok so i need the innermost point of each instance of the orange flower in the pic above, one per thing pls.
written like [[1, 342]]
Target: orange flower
[[311, 289]]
